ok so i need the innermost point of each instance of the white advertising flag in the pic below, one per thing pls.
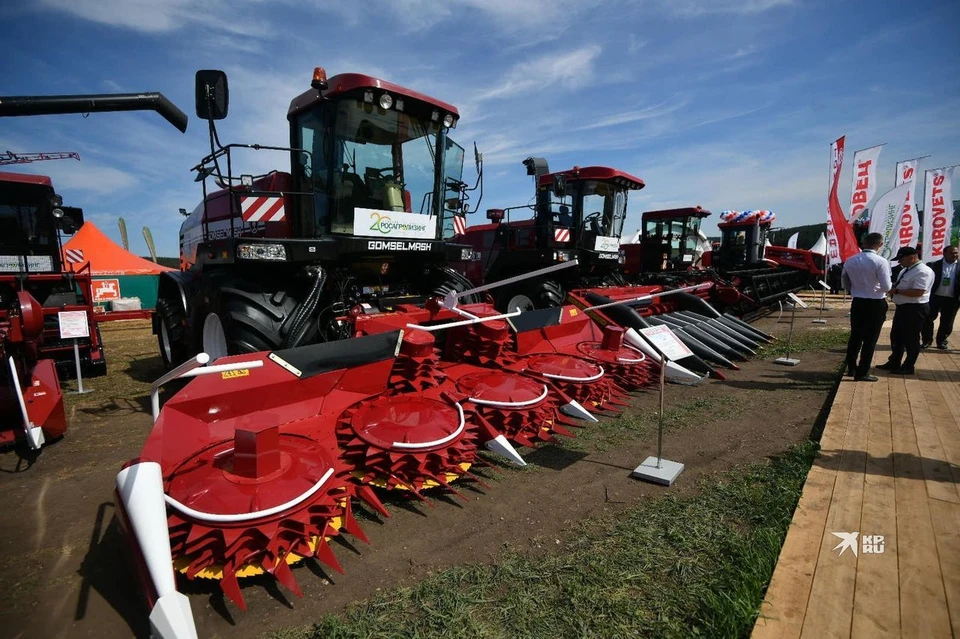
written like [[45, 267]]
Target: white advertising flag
[[885, 216], [864, 180], [937, 212], [909, 226]]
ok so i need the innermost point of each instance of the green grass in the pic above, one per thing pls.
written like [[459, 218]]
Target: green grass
[[811, 340], [693, 566]]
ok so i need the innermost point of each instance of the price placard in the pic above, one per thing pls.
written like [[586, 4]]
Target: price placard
[[73, 324], [796, 300], [825, 286], [666, 341]]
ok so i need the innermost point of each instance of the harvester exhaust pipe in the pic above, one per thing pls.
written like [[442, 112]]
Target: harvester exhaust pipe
[[140, 488], [57, 104]]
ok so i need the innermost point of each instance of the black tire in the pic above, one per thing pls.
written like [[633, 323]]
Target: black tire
[[253, 319], [614, 278], [170, 315], [450, 280], [550, 294]]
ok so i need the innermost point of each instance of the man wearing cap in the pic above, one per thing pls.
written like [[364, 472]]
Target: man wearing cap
[[911, 294], [866, 276], [944, 299]]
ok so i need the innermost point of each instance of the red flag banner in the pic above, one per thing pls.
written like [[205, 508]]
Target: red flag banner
[[937, 212], [908, 227], [841, 240]]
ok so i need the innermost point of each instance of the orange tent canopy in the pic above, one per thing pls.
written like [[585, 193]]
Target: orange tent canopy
[[106, 257]]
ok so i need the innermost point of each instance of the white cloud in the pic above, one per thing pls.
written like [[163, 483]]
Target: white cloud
[[151, 16], [83, 176], [664, 108], [696, 8], [568, 70]]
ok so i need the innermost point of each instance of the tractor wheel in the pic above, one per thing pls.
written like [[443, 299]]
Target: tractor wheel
[[172, 334], [613, 279], [241, 317], [453, 281], [550, 294], [513, 299]]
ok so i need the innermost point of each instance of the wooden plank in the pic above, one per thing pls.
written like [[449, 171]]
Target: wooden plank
[[783, 608], [923, 605], [949, 387], [936, 469], [830, 606], [946, 525], [944, 421], [876, 610]]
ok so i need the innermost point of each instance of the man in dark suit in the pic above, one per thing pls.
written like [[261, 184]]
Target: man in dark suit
[[944, 299]]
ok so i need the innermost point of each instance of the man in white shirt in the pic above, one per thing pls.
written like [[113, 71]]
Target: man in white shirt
[[944, 300], [866, 276], [911, 294]]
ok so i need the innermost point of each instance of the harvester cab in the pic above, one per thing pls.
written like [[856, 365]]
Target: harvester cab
[[355, 225], [578, 215], [670, 240]]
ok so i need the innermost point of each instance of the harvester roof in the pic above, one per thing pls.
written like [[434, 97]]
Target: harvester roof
[[675, 213], [602, 173], [25, 178], [354, 84]]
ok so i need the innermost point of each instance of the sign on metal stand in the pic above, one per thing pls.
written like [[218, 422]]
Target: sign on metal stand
[[74, 325], [669, 348], [795, 302], [824, 287]]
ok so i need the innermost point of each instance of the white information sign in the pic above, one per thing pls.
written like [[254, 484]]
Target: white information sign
[[393, 224], [606, 244], [665, 341], [73, 324], [825, 286], [796, 300]]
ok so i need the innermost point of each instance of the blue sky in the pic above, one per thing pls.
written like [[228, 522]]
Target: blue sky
[[730, 104]]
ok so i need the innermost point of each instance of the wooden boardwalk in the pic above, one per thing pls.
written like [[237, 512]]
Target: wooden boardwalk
[[889, 465]]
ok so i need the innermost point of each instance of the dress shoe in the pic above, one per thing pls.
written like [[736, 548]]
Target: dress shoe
[[926, 344], [888, 366], [850, 372], [904, 370], [942, 346], [866, 378]]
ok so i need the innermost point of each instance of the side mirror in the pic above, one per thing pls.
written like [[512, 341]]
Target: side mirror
[[212, 94], [559, 185], [71, 219]]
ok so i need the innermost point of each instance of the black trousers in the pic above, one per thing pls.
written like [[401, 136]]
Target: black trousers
[[866, 321], [946, 307], [905, 334]]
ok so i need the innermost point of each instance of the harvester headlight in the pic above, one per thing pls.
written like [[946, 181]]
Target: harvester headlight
[[466, 254], [435, 116], [386, 101], [448, 120], [263, 252], [562, 256], [622, 257], [368, 96]]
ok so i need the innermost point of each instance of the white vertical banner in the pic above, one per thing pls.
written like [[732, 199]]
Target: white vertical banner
[[937, 212], [909, 224], [864, 180], [833, 247], [885, 216]]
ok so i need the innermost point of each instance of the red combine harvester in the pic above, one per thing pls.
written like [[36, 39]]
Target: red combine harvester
[[747, 274], [578, 215], [356, 222], [31, 259], [258, 461]]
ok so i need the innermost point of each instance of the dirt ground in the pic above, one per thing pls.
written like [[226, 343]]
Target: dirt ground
[[63, 559]]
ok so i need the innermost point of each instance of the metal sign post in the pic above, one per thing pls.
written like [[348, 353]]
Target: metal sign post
[[789, 361], [823, 302], [668, 348], [74, 326]]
